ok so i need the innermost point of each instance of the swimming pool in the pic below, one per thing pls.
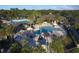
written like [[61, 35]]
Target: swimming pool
[[45, 29]]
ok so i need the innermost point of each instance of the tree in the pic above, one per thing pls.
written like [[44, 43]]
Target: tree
[[26, 49], [58, 18], [75, 50], [76, 25], [6, 30], [39, 20], [38, 50], [15, 48], [57, 45]]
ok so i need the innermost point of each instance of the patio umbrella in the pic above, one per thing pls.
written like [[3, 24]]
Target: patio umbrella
[[29, 29]]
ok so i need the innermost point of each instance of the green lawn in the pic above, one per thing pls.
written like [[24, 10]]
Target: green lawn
[[75, 50]]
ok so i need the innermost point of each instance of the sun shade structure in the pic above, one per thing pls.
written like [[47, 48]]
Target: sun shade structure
[[46, 24]]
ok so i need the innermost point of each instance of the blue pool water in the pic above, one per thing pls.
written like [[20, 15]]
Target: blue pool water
[[44, 30]]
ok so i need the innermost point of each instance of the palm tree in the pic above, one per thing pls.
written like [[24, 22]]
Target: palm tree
[[57, 45], [7, 30], [38, 50], [15, 48], [26, 49]]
